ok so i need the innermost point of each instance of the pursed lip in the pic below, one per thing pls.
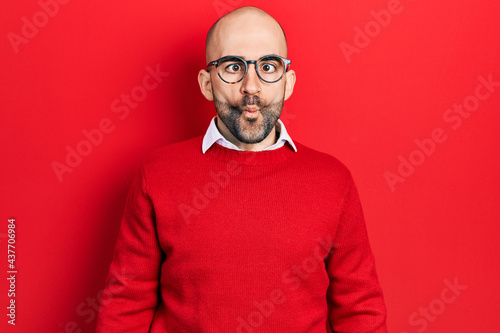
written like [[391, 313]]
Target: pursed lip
[[251, 110]]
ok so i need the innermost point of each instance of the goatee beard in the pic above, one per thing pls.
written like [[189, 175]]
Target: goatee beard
[[249, 130]]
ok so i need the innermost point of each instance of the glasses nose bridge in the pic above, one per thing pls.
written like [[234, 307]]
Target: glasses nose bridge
[[248, 63]]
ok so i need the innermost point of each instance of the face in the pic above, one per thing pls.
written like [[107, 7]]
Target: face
[[250, 108], [251, 117]]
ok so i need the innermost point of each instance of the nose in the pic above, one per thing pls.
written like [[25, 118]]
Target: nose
[[251, 83]]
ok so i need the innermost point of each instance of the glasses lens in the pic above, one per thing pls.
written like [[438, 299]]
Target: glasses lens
[[231, 69], [271, 68]]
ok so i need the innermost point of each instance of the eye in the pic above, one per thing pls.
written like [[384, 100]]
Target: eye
[[268, 67], [234, 68]]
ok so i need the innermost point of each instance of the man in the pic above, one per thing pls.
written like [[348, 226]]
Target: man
[[242, 229]]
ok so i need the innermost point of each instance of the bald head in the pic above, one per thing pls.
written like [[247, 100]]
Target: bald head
[[242, 28]]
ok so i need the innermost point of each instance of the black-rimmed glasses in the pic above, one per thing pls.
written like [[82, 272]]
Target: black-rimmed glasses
[[232, 69]]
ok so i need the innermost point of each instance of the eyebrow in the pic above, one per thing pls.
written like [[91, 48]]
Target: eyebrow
[[269, 56], [265, 57], [231, 57]]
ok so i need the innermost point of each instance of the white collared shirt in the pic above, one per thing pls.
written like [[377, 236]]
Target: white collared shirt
[[213, 135]]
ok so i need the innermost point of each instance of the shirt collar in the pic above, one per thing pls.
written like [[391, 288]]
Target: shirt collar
[[214, 136]]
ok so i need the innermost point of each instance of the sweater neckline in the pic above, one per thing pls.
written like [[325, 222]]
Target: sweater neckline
[[244, 157]]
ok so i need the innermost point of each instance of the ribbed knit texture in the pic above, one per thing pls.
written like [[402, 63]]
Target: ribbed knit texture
[[240, 241]]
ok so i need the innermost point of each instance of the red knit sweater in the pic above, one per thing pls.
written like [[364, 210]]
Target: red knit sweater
[[240, 241]]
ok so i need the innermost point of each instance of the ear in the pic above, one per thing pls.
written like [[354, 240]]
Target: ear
[[205, 83], [289, 83]]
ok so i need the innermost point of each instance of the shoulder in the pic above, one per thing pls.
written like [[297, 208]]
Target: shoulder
[[323, 169], [173, 154], [321, 160]]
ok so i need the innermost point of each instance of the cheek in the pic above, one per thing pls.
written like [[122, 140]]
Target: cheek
[[275, 93], [227, 92]]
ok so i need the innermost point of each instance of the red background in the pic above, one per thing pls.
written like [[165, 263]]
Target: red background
[[440, 224]]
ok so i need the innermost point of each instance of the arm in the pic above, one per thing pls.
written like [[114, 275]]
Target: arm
[[130, 297], [355, 299]]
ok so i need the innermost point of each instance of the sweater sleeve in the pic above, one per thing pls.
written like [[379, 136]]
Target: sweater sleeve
[[355, 299], [130, 297]]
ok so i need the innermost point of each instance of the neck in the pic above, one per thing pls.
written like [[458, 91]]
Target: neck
[[238, 158], [270, 140]]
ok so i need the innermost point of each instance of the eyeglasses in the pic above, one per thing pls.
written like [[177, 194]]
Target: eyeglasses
[[232, 69]]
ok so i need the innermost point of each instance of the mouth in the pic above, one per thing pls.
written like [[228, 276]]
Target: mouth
[[251, 110]]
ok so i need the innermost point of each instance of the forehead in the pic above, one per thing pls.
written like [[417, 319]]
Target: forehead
[[248, 36]]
